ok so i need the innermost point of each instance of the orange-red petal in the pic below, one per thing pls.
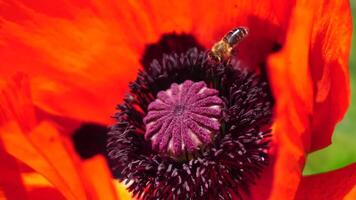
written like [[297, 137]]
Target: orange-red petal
[[96, 171], [291, 85], [329, 58], [11, 186], [292, 73], [82, 54], [303, 85], [75, 64], [38, 188], [44, 193], [44, 149], [266, 20], [65, 179], [335, 185]]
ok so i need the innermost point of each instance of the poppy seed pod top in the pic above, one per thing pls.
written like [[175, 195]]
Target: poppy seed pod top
[[183, 117]]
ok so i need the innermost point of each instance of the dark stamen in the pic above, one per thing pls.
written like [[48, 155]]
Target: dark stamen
[[169, 43]]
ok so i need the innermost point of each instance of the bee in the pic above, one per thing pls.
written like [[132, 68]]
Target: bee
[[222, 49]]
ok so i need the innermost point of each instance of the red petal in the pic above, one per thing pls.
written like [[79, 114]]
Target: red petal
[[38, 188], [41, 147], [81, 55], [266, 20], [292, 88], [329, 58], [75, 64], [44, 193], [16, 103], [97, 172], [338, 184], [19, 146], [11, 186], [293, 74]]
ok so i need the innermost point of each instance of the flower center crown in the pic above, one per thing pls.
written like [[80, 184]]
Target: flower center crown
[[183, 118]]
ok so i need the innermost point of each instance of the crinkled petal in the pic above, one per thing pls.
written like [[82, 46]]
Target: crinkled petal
[[267, 22], [44, 193], [291, 86], [309, 80], [40, 146], [38, 188], [82, 54], [76, 64], [11, 185], [338, 184], [329, 58], [96, 171], [53, 163]]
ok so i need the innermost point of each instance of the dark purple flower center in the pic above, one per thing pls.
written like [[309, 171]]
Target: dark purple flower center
[[183, 118], [185, 102]]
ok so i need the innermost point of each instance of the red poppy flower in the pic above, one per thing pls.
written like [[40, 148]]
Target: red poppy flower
[[64, 66]]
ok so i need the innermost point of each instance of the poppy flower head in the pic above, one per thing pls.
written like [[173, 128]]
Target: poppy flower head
[[192, 128], [218, 150]]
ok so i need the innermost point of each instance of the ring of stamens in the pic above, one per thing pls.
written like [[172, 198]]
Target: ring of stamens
[[238, 150]]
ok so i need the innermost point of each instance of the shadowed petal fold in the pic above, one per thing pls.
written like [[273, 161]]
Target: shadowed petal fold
[[40, 146], [83, 54], [329, 58], [291, 84]]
